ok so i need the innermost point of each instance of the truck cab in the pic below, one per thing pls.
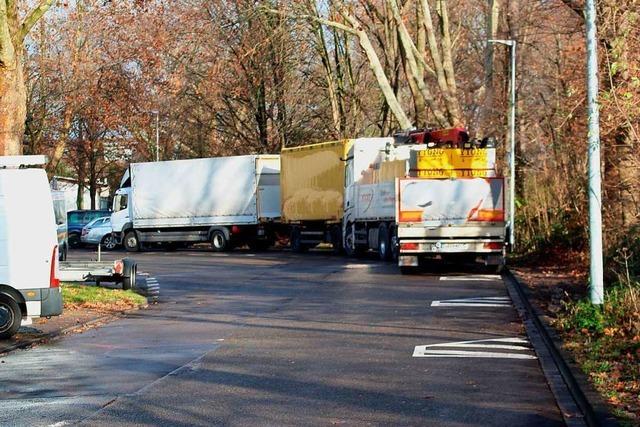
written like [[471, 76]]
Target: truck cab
[[29, 283], [121, 213]]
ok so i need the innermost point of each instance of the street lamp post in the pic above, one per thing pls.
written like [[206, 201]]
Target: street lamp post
[[512, 141], [595, 184]]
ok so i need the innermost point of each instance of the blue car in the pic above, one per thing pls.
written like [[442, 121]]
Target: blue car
[[77, 220]]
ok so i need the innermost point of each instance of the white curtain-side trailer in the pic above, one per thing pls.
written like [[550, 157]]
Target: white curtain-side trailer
[[227, 201]]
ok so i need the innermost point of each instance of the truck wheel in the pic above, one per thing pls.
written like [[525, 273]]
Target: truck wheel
[[10, 317], [384, 243], [131, 242], [350, 246], [393, 243], [336, 239], [296, 241], [109, 242], [129, 271], [219, 242]]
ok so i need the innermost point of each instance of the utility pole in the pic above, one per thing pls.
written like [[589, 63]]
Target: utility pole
[[512, 142], [595, 180]]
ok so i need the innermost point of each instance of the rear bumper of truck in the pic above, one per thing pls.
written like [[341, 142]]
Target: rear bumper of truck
[[491, 251]]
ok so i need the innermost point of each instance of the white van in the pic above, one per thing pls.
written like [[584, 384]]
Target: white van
[[29, 284]]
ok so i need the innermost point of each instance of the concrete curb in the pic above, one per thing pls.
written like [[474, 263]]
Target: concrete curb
[[579, 403]]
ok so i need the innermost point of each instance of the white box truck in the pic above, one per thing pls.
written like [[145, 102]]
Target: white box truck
[[226, 201], [29, 281]]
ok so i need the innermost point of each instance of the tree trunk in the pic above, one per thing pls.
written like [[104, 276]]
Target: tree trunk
[[378, 71], [13, 107]]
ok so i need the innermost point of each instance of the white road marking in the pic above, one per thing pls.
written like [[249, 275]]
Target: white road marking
[[358, 265], [472, 354], [474, 302], [474, 278], [457, 349]]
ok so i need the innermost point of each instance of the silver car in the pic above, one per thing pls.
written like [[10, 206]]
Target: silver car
[[98, 232]]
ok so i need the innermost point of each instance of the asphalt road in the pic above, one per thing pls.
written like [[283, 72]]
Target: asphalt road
[[282, 339]]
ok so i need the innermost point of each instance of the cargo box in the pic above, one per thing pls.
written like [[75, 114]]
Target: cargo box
[[312, 181]]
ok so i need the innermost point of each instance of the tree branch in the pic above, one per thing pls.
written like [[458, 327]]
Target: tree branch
[[319, 19], [33, 17]]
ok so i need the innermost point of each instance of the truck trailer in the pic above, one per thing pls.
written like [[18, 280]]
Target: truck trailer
[[324, 194], [227, 201]]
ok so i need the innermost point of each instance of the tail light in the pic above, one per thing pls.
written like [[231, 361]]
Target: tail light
[[118, 267], [493, 245], [54, 282], [409, 246], [235, 229]]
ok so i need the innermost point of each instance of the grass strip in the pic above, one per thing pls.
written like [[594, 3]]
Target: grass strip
[[77, 296]]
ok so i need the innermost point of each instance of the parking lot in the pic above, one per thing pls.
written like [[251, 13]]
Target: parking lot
[[281, 339]]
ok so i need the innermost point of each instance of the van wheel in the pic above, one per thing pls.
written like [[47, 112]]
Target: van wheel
[[384, 243], [131, 242], [109, 242], [10, 317], [219, 242]]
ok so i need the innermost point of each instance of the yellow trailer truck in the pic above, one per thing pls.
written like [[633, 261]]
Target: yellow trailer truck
[[312, 193]]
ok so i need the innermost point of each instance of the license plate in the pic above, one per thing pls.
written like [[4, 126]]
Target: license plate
[[449, 247], [408, 261]]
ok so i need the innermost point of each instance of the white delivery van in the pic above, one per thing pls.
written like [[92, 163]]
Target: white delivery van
[[29, 284]]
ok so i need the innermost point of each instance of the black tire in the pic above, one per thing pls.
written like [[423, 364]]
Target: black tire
[[131, 242], [129, 274], [10, 317], [219, 241], [336, 239], [350, 246], [384, 243], [393, 243], [74, 240], [109, 242], [296, 241]]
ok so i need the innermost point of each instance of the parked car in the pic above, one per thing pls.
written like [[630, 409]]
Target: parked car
[[77, 220], [29, 281], [98, 232]]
